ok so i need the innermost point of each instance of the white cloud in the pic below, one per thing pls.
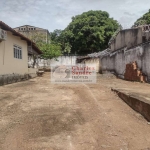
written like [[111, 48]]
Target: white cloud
[[56, 14]]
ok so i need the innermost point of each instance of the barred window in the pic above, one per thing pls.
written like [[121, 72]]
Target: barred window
[[17, 52]]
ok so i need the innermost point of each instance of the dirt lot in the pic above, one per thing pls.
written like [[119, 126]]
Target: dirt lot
[[38, 115]]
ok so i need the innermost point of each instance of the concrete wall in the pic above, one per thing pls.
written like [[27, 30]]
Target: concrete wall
[[32, 72], [62, 60], [93, 61], [12, 78], [9, 64], [127, 38], [117, 61]]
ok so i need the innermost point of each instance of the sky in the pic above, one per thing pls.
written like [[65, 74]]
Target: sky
[[57, 14]]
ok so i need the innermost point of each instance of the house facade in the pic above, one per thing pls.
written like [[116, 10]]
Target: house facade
[[13, 55], [14, 51], [34, 33]]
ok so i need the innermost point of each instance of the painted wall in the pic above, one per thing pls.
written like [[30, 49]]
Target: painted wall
[[9, 64], [62, 60], [117, 61]]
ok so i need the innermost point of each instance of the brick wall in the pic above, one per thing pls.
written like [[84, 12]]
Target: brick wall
[[133, 73]]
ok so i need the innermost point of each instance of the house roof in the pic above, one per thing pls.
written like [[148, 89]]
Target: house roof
[[7, 28]]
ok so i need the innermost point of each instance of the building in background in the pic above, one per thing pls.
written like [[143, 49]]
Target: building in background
[[34, 33]]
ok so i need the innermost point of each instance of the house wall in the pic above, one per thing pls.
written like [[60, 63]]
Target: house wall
[[9, 64], [117, 61], [127, 38]]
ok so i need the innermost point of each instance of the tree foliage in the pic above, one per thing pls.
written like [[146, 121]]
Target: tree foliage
[[89, 32], [55, 35], [50, 50], [58, 37], [145, 19]]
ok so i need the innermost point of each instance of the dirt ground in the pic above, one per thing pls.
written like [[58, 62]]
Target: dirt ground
[[38, 115]]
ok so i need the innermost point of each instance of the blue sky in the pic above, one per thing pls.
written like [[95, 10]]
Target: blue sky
[[56, 14]]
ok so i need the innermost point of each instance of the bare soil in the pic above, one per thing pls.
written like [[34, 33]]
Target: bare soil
[[38, 115]]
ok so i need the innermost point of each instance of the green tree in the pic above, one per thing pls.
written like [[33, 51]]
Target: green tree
[[56, 35], [67, 48], [89, 32], [145, 19], [50, 51]]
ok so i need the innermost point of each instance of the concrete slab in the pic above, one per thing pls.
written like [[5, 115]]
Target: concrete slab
[[139, 101]]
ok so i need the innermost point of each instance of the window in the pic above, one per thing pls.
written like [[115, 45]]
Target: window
[[17, 52]]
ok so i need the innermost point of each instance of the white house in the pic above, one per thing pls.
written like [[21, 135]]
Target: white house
[[14, 51]]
